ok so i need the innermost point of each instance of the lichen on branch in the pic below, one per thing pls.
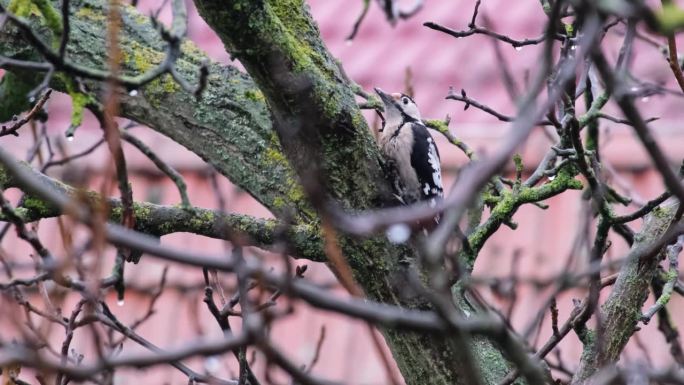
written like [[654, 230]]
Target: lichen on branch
[[229, 127], [300, 241]]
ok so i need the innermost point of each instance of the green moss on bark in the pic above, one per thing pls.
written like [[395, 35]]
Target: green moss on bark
[[229, 127], [508, 203], [13, 95], [621, 311]]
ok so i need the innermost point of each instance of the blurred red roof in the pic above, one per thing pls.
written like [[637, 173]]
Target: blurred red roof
[[379, 56]]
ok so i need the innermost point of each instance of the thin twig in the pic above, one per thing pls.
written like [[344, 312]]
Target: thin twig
[[477, 30], [12, 130], [176, 177]]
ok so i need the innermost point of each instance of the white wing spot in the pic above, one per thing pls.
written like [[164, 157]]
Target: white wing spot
[[433, 159]]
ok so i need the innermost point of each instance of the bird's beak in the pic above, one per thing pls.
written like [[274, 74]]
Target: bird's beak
[[386, 98]]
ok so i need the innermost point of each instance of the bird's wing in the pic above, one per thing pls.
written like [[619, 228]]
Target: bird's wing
[[425, 160]]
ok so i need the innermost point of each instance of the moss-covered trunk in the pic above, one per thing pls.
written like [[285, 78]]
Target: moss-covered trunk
[[318, 123]]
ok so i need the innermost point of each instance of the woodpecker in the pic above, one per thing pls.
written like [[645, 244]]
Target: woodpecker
[[406, 142]]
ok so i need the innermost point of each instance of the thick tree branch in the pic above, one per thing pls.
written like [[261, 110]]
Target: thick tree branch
[[300, 241], [622, 310], [229, 127]]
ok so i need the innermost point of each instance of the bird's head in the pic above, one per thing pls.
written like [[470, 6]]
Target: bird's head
[[398, 107]]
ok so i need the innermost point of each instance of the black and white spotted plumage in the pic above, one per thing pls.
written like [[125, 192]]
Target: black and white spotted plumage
[[406, 142], [425, 160]]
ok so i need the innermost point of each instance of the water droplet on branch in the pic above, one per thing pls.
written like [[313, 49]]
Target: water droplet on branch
[[398, 233]]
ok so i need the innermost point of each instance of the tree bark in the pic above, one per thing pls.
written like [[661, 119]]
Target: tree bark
[[622, 311]]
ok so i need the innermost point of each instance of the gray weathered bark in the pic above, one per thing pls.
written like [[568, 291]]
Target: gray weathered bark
[[622, 310]]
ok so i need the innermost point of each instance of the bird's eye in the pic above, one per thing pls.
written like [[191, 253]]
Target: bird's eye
[[405, 100]]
